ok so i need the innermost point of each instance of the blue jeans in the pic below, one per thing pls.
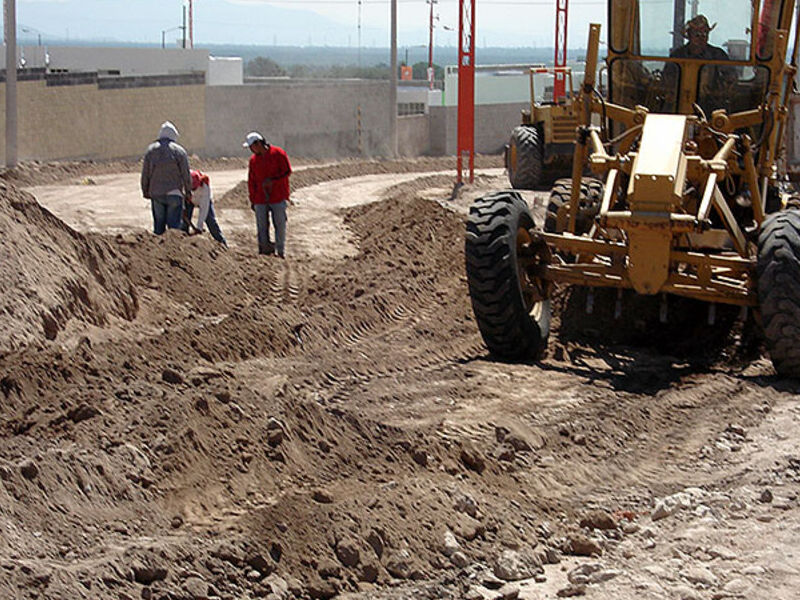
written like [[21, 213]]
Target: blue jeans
[[211, 223], [166, 213], [278, 212]]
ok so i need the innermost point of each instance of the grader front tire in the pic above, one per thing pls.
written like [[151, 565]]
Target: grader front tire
[[510, 310], [778, 272]]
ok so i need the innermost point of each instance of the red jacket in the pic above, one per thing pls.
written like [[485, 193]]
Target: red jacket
[[274, 165]]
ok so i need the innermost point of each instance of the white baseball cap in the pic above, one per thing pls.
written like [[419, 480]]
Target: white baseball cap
[[252, 138]]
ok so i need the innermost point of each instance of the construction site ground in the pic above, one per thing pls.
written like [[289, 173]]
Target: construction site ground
[[184, 421]]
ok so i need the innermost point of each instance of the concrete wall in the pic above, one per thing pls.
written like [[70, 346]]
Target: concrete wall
[[125, 61], [318, 119], [493, 125], [413, 95], [82, 115], [67, 117], [413, 135]]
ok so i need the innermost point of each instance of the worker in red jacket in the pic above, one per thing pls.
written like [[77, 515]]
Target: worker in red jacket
[[268, 185]]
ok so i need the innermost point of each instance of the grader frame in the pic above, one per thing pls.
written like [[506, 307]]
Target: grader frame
[[659, 172], [690, 203]]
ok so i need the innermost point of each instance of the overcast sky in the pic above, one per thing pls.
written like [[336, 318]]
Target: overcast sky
[[304, 22]]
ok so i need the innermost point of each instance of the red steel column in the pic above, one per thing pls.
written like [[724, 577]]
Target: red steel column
[[466, 89], [559, 84]]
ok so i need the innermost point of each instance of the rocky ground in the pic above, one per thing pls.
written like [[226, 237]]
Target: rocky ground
[[181, 421]]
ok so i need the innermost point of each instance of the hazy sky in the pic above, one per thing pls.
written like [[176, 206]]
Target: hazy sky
[[502, 22], [305, 22]]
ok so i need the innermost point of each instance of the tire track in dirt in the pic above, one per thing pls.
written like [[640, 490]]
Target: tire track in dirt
[[381, 319]]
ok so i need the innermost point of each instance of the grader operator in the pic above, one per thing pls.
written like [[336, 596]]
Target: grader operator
[[685, 201]]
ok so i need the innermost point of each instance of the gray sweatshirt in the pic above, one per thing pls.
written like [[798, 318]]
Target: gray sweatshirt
[[165, 168]]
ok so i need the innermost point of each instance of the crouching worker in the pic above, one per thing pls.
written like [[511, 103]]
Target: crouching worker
[[202, 198]]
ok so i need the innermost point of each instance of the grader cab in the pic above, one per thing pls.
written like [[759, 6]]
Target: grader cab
[[688, 160]]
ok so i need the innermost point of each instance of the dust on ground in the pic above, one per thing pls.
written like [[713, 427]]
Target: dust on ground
[[183, 421]]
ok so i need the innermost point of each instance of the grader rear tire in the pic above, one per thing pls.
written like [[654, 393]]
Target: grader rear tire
[[589, 205], [778, 272], [524, 160], [511, 310]]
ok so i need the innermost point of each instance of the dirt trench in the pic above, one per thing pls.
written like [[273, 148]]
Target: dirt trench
[[218, 424]]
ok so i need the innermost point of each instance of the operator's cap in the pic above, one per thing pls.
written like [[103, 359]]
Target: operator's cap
[[698, 23], [252, 138]]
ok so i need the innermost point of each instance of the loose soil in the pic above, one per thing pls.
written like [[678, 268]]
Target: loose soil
[[182, 421]]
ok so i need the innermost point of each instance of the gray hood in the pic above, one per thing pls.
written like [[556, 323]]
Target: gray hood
[[169, 131]]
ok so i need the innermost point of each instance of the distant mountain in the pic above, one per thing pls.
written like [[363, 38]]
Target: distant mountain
[[329, 56], [144, 20], [222, 22]]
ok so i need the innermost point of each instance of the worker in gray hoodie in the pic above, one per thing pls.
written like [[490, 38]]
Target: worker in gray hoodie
[[165, 179]]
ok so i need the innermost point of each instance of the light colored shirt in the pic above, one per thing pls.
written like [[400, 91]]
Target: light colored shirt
[[201, 198]]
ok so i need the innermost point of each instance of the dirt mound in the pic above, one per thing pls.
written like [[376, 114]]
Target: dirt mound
[[197, 424], [32, 173], [333, 425], [186, 270], [52, 274]]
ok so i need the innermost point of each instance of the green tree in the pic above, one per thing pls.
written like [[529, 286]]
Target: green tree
[[262, 66], [420, 71]]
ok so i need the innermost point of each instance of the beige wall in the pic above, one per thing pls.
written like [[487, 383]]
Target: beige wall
[[83, 121], [313, 119], [307, 118], [493, 125], [413, 135]]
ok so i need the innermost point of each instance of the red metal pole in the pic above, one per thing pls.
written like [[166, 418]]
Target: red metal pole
[[466, 89], [559, 83]]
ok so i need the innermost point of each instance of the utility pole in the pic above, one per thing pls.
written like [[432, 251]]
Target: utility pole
[[359, 35], [10, 22], [184, 27], [393, 83], [678, 22], [430, 46]]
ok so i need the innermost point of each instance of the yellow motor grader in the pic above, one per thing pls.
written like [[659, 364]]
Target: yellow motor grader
[[540, 148], [688, 160]]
